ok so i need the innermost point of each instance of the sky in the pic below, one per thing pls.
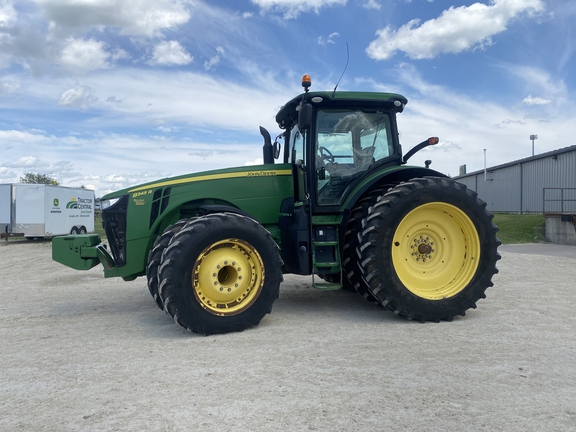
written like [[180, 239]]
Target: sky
[[109, 94]]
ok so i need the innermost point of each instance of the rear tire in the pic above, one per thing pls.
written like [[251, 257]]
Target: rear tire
[[428, 249], [353, 276], [220, 273], [155, 257]]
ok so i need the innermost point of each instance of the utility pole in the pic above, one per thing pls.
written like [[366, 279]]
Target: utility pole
[[533, 138], [485, 175]]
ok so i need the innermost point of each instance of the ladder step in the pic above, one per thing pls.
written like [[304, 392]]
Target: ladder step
[[326, 264], [327, 286], [325, 243]]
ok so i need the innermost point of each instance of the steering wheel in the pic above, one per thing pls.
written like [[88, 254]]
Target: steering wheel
[[325, 154]]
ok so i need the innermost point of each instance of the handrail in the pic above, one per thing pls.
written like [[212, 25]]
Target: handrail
[[562, 200]]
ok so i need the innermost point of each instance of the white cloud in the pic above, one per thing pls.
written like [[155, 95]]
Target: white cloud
[[23, 162], [457, 29], [372, 4], [131, 17], [529, 100], [293, 8], [467, 125], [7, 13], [79, 96], [215, 60], [7, 136], [538, 80], [8, 85], [196, 111], [84, 55], [257, 161], [169, 53], [329, 40]]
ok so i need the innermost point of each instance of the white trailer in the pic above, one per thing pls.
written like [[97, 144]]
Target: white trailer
[[38, 210]]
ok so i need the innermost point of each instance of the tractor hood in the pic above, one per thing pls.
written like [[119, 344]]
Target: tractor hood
[[270, 170]]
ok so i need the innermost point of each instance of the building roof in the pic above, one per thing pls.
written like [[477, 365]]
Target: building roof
[[524, 160]]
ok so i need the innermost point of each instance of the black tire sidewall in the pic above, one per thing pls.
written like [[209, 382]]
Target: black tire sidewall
[[399, 205], [193, 239]]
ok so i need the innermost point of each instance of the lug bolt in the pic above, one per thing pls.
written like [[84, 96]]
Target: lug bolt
[[229, 289]]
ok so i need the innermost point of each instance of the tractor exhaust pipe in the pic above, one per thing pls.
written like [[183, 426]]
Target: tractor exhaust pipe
[[267, 149]]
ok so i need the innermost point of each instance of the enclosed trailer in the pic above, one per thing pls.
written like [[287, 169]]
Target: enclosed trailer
[[38, 210]]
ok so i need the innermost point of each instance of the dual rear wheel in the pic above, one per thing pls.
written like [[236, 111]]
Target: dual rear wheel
[[427, 249], [215, 274]]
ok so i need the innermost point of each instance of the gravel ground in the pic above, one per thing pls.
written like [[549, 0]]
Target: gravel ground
[[84, 353]]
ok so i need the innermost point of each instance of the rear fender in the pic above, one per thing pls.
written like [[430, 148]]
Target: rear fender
[[401, 174]]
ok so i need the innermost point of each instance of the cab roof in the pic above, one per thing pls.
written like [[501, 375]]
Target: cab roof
[[288, 114]]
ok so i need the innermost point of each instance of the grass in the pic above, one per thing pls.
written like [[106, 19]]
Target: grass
[[516, 228], [98, 225]]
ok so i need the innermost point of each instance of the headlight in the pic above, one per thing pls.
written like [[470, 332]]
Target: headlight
[[109, 202]]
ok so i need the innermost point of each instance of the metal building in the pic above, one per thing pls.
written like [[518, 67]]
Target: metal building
[[544, 183]]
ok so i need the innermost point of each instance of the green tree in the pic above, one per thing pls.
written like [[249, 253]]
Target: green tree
[[37, 178]]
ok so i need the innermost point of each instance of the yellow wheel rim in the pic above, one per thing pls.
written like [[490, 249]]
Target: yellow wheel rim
[[436, 251], [228, 277]]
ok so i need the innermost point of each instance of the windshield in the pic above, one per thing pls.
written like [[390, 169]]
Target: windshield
[[347, 143]]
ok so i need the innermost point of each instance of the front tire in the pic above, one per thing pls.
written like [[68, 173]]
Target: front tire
[[220, 273], [428, 249], [155, 257]]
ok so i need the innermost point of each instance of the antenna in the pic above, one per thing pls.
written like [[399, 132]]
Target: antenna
[[345, 67]]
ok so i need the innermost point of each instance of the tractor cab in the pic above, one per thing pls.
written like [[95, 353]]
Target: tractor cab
[[335, 142], [334, 139]]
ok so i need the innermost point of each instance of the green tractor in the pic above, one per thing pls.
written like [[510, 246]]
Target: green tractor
[[343, 206]]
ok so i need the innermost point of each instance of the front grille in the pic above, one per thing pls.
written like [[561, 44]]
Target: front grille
[[114, 223]]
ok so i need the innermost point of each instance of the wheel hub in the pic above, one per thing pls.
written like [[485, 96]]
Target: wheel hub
[[228, 277], [422, 248]]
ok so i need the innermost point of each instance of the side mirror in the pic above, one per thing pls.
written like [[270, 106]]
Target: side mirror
[[276, 149], [305, 116]]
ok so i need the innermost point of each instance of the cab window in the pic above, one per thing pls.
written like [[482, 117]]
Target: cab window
[[348, 142]]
